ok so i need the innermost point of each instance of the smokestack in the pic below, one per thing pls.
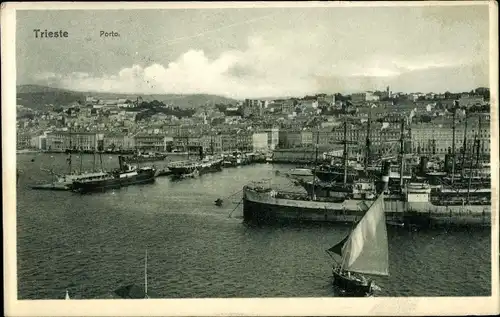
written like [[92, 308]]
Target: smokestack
[[447, 162], [423, 165], [386, 170], [120, 162]]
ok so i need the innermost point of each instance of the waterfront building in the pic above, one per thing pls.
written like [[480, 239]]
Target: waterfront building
[[431, 138], [306, 138], [63, 140], [272, 137], [23, 141], [117, 141], [211, 142], [151, 142], [244, 141], [260, 142], [228, 140], [289, 139]]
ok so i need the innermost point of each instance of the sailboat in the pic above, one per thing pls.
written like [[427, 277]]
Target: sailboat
[[364, 251], [67, 296]]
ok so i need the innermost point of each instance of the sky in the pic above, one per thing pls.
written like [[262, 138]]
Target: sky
[[257, 52]]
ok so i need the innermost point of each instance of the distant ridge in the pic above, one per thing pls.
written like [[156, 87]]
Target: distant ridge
[[36, 96], [24, 89]]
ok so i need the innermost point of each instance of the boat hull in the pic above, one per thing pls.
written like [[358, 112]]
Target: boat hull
[[211, 167], [352, 286], [181, 170], [114, 183], [194, 169], [262, 207]]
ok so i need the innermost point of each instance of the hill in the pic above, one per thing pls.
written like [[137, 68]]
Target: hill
[[35, 97]]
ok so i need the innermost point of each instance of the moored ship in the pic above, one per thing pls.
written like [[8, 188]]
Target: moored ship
[[183, 169], [65, 182], [407, 202], [126, 175], [414, 206], [145, 157]]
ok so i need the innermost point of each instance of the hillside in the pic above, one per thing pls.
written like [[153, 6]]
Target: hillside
[[35, 97]]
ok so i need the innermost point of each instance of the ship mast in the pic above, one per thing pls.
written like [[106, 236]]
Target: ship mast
[[212, 144], [70, 147], [367, 153], [100, 149], [95, 146], [453, 143], [464, 147], [478, 141], [81, 160], [401, 154], [470, 168], [315, 165], [345, 151]]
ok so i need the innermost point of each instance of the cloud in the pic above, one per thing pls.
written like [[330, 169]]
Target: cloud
[[279, 65]]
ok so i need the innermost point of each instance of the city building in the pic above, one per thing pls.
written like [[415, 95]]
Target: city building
[[260, 142], [151, 142], [470, 100]]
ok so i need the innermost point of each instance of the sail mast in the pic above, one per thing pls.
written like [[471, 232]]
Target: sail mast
[[146, 275], [401, 154], [70, 147]]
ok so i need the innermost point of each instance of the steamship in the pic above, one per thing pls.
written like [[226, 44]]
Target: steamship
[[126, 175], [193, 168]]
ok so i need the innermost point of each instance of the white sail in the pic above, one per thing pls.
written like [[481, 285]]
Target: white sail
[[366, 250], [67, 295]]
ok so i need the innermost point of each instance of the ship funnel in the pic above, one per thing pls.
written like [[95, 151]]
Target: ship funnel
[[423, 165], [447, 160], [120, 162], [386, 171]]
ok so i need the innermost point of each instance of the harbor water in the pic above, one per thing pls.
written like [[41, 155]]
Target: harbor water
[[92, 244]]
